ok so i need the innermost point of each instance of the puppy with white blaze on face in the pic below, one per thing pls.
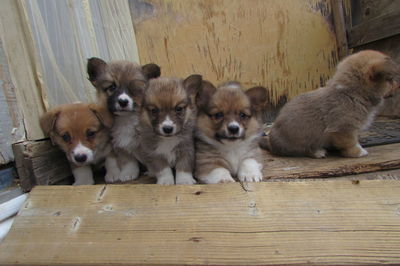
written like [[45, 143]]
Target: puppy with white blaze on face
[[227, 133], [166, 129], [82, 131], [120, 86]]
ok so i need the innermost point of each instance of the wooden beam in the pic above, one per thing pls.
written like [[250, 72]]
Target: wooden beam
[[320, 222], [340, 27], [382, 157], [40, 163], [384, 26]]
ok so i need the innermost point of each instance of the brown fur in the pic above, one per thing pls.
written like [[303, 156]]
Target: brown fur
[[335, 114], [121, 86], [216, 146], [71, 124], [172, 98]]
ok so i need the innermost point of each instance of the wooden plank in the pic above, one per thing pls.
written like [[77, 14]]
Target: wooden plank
[[40, 163], [384, 26], [25, 76], [382, 157], [338, 13], [321, 222], [263, 43]]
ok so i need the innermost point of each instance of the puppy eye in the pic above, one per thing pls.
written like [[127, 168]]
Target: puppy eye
[[243, 115], [179, 109], [153, 110], [218, 115], [66, 137], [111, 88], [90, 134]]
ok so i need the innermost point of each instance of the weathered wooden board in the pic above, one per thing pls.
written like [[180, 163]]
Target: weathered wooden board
[[321, 222], [386, 25], [382, 157], [40, 163], [288, 46]]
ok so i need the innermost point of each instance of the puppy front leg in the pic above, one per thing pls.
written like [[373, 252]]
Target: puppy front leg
[[112, 169], [184, 167], [250, 171], [83, 175], [214, 176], [165, 176], [347, 143]]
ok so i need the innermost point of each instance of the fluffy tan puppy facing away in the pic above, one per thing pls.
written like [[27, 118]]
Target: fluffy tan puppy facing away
[[334, 115]]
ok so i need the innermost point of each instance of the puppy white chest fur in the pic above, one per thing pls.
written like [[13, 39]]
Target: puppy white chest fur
[[370, 119], [124, 131], [166, 148], [235, 152]]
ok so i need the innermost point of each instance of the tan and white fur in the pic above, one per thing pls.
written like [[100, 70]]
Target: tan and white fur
[[82, 131], [334, 115], [227, 134], [120, 86], [166, 126]]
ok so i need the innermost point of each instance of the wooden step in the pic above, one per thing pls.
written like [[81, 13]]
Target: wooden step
[[321, 222]]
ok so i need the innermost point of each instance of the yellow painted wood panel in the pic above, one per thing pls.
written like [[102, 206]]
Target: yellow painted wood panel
[[336, 222], [288, 46]]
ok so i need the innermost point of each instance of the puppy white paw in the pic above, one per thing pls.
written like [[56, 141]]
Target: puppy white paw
[[112, 170], [319, 154], [83, 175], [165, 177], [218, 175], [250, 171], [363, 152], [129, 171], [184, 178]]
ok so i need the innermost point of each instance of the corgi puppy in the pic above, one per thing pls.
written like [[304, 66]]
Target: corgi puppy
[[120, 86], [82, 131], [166, 129], [334, 115], [227, 134]]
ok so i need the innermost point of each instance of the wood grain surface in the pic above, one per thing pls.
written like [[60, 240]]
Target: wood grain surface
[[321, 222]]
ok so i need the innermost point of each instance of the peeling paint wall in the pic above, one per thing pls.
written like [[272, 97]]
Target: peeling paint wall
[[288, 46]]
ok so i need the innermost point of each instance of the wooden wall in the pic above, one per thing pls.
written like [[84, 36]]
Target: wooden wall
[[375, 24], [288, 46]]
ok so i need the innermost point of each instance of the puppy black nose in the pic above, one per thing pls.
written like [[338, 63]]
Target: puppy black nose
[[167, 129], [233, 129], [123, 102], [80, 158]]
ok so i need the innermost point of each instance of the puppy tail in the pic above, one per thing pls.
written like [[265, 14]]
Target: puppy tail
[[264, 143]]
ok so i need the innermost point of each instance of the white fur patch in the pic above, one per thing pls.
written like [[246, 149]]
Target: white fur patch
[[184, 178], [250, 171], [363, 152], [124, 132], [218, 175], [129, 171], [165, 177], [83, 175], [82, 150], [124, 96], [112, 169], [165, 147], [370, 119], [168, 123], [319, 154]]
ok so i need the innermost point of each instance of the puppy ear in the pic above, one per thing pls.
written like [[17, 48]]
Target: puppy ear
[[95, 68], [48, 121], [383, 69], [151, 71], [192, 84], [102, 114], [258, 97], [207, 90]]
